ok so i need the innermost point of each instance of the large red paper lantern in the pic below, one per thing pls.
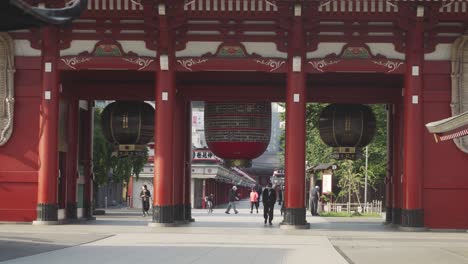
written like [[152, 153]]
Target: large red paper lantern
[[237, 132]]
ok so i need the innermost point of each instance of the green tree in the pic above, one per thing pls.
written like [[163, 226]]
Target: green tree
[[102, 152], [349, 181], [126, 166], [106, 162], [317, 152]]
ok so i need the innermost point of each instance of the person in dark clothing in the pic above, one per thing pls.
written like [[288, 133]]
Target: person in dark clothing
[[269, 200], [145, 195], [314, 198], [232, 197], [280, 195]]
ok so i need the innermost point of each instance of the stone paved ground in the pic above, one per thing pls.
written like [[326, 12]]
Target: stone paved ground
[[123, 236]]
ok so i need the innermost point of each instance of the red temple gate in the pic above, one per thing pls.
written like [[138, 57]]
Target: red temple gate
[[173, 52]]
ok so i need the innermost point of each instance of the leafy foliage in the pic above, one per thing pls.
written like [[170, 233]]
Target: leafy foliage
[[105, 162], [317, 152], [349, 181], [102, 152]]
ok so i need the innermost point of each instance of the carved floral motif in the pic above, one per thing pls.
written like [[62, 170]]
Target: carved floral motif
[[142, 62], [273, 64], [390, 65], [319, 65], [71, 62], [188, 63]]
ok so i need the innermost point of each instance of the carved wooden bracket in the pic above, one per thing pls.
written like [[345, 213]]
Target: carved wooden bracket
[[231, 57], [108, 54], [355, 58]]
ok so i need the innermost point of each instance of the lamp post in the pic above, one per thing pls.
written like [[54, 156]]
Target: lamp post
[[365, 180]]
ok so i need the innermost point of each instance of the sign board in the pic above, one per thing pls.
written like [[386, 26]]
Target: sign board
[[198, 120], [326, 183], [204, 155]]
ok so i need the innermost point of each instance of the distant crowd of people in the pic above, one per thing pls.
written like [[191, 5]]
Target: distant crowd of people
[[269, 196]]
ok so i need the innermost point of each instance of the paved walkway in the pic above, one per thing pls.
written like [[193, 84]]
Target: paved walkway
[[123, 236]]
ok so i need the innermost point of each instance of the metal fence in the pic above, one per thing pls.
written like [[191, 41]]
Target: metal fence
[[371, 207]]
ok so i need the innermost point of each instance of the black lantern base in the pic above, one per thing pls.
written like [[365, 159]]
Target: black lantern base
[[412, 218], [71, 211], [389, 215], [294, 218], [163, 214], [396, 216], [47, 212], [188, 212], [179, 212]]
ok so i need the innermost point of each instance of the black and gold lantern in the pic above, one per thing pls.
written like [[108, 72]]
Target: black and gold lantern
[[130, 125], [347, 128]]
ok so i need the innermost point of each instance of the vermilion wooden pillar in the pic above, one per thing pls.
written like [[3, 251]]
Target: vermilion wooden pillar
[[397, 162], [48, 129], [295, 211], [390, 171], [88, 162], [188, 163], [163, 204], [412, 211], [72, 155], [179, 157]]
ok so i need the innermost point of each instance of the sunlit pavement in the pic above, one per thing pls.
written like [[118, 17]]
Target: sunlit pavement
[[123, 236]]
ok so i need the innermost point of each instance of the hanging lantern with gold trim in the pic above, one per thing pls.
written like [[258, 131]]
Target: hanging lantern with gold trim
[[347, 128]]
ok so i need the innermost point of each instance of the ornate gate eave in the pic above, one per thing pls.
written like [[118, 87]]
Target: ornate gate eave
[[7, 71], [355, 58], [108, 54], [231, 57]]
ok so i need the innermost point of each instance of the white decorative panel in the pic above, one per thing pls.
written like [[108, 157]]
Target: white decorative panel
[[385, 49], [442, 52], [264, 49], [211, 171], [324, 49], [139, 47], [198, 48], [23, 48], [78, 46], [197, 170]]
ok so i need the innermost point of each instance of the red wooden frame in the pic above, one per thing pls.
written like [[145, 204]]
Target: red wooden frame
[[218, 61], [119, 61], [351, 60]]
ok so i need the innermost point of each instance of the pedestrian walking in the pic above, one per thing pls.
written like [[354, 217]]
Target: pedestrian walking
[[269, 200], [258, 189], [145, 196], [232, 197], [280, 195], [253, 200], [209, 199], [314, 199]]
